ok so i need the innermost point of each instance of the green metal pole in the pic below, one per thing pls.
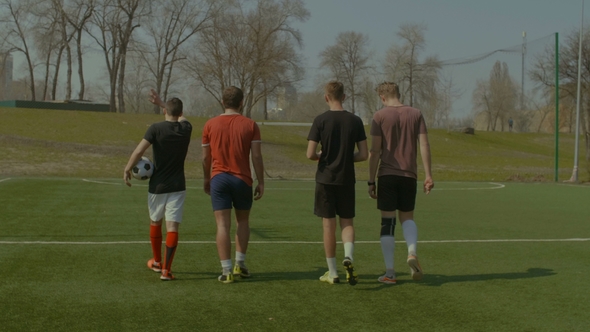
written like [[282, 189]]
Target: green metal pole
[[556, 106]]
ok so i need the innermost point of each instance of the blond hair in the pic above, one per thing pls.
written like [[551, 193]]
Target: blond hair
[[334, 90], [388, 90]]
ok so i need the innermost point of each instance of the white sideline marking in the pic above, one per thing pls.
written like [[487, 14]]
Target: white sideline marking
[[299, 242], [5, 179], [497, 186]]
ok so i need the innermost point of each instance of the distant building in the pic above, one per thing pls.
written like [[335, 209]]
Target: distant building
[[6, 64]]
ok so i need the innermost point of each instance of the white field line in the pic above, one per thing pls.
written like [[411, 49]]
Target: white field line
[[496, 186], [2, 180], [297, 242]]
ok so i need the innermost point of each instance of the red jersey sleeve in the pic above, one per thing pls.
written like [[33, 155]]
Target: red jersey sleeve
[[206, 139]]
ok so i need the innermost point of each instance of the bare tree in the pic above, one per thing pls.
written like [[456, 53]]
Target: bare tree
[[543, 73], [114, 22], [252, 47], [347, 59], [174, 23], [403, 65], [497, 97], [19, 26], [309, 105], [78, 13]]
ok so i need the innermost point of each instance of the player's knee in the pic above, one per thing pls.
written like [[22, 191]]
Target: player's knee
[[388, 226]]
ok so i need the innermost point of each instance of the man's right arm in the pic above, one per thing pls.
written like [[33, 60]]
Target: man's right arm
[[374, 157], [425, 154], [256, 151]]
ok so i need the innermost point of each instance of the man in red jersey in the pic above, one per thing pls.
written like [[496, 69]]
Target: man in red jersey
[[396, 130], [228, 141]]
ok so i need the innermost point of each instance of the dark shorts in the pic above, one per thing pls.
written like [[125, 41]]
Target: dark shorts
[[227, 189], [396, 193], [332, 200]]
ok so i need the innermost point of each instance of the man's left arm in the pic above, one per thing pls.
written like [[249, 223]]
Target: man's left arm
[[135, 157], [363, 151], [206, 152]]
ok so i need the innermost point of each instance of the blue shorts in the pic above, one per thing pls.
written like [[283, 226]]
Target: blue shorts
[[227, 189]]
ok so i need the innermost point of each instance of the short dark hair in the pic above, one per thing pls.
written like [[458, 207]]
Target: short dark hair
[[388, 90], [232, 97], [334, 90], [174, 106]]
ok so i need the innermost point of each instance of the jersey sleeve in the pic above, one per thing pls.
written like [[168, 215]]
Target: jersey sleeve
[[206, 139], [376, 126], [422, 125], [361, 135], [150, 134], [314, 132], [256, 133]]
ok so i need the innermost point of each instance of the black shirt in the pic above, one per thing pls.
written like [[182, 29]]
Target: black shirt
[[170, 142], [337, 132]]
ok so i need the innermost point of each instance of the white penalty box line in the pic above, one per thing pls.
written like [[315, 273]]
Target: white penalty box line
[[295, 242]]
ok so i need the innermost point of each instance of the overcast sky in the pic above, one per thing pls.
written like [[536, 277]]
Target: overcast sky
[[456, 29]]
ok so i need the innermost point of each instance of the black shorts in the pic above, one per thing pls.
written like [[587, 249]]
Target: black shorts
[[332, 200], [396, 193]]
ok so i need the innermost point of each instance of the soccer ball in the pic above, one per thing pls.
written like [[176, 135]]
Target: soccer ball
[[143, 170]]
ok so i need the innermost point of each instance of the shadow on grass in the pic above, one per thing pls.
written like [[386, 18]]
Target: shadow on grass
[[441, 279], [267, 233], [257, 277]]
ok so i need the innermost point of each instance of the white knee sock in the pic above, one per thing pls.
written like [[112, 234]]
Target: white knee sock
[[349, 250], [226, 266], [387, 247], [332, 266], [411, 236], [240, 259]]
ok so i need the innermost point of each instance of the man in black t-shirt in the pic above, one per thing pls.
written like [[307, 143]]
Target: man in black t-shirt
[[338, 132], [167, 189]]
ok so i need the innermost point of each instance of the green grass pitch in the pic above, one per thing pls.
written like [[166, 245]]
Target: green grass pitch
[[497, 257]]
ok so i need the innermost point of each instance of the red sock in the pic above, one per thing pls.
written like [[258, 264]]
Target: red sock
[[156, 240], [171, 243]]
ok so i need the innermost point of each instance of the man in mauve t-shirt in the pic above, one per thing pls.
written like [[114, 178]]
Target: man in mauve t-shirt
[[396, 130]]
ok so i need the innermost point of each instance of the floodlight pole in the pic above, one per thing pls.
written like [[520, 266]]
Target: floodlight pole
[[556, 106], [574, 177], [522, 71]]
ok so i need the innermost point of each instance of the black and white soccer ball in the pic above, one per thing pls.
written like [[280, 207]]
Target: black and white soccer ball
[[143, 170]]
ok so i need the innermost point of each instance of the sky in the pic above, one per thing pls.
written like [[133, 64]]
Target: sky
[[455, 29]]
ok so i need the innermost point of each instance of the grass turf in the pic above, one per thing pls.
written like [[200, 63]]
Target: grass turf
[[468, 286]]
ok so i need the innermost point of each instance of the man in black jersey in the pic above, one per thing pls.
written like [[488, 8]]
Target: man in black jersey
[[338, 132], [167, 190]]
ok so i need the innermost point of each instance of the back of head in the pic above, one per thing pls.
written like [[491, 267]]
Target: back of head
[[334, 90], [174, 107], [388, 90], [232, 97]]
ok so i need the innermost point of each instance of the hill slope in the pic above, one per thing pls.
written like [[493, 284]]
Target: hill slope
[[88, 144]]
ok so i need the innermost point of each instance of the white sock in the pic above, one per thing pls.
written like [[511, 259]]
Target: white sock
[[387, 248], [349, 250], [411, 236], [332, 266], [240, 259], [226, 266]]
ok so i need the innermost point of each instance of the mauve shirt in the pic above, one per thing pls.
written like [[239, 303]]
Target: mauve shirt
[[399, 128]]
